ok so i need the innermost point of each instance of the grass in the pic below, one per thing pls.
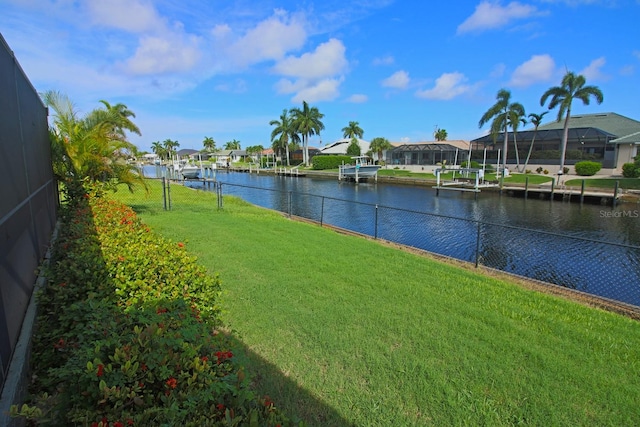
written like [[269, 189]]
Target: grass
[[626, 183], [342, 330]]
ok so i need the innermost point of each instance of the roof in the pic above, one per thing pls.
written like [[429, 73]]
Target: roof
[[633, 138], [427, 146], [340, 146], [432, 145], [611, 123], [230, 153], [186, 152]]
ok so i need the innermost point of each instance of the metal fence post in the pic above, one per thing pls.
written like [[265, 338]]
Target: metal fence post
[[375, 233], [322, 211], [169, 192], [164, 193], [290, 193], [478, 245]]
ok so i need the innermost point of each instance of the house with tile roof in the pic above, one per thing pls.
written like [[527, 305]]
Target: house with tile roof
[[609, 138]]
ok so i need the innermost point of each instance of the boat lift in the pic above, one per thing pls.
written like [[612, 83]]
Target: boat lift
[[464, 181]]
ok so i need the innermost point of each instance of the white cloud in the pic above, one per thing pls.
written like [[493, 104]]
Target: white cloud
[[636, 53], [384, 60], [167, 54], [448, 86], [327, 60], [134, 16], [316, 75], [490, 15], [358, 98], [271, 39], [593, 70], [398, 80], [323, 90], [539, 68]]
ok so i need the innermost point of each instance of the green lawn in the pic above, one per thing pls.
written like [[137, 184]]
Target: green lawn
[[405, 173], [626, 183], [341, 330]]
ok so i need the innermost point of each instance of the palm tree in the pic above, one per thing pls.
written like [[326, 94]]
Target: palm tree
[[307, 121], [209, 144], [499, 113], [536, 120], [352, 131], [441, 135], [232, 145], [516, 116], [572, 87], [378, 145], [158, 149], [94, 147], [119, 115], [170, 147], [284, 133]]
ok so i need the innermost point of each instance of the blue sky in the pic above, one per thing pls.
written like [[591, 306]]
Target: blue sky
[[211, 68]]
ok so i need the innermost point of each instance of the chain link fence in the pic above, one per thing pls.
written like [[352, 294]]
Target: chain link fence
[[604, 269]]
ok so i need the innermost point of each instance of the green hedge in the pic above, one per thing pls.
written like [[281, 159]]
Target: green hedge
[[330, 162], [587, 168], [128, 332]]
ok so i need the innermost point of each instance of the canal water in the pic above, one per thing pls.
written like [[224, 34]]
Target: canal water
[[581, 246]]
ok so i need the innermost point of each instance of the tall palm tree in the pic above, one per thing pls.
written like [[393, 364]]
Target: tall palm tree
[[284, 134], [515, 117], [441, 135], [536, 120], [572, 87], [378, 145], [352, 131], [209, 144], [499, 113], [307, 121]]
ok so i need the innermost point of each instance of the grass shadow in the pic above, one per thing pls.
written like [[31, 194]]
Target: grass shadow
[[268, 380]]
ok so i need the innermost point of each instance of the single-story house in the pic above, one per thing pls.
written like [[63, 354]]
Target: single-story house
[[429, 153], [608, 138], [340, 146]]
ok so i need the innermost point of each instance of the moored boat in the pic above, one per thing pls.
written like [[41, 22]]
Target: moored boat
[[361, 169]]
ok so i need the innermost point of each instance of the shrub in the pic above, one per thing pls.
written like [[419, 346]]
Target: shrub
[[631, 170], [474, 164], [330, 162], [540, 169], [546, 172], [565, 170], [128, 332], [587, 168]]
